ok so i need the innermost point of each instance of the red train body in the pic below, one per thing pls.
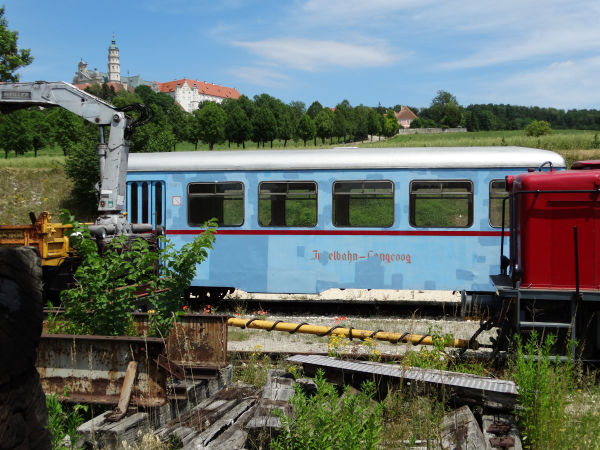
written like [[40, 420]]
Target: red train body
[[552, 284], [548, 209]]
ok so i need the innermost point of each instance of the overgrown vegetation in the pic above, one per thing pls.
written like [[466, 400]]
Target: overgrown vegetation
[[63, 421], [326, 420], [549, 416], [254, 371], [103, 299]]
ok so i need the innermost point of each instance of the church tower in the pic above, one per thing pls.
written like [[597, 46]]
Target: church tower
[[114, 65]]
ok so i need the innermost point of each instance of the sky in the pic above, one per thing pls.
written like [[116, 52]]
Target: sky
[[521, 52]]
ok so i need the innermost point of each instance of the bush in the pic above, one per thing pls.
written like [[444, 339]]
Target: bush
[[538, 128], [543, 389], [63, 420], [327, 421], [103, 299]]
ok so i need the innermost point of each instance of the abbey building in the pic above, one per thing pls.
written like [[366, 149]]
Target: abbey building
[[187, 93]]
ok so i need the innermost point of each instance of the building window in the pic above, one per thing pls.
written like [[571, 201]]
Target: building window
[[363, 204], [497, 195], [287, 204], [223, 201], [441, 204]]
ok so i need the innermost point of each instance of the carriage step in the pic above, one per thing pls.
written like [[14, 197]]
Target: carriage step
[[544, 325]]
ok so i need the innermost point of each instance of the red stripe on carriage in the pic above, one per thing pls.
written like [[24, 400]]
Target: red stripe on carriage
[[342, 232]]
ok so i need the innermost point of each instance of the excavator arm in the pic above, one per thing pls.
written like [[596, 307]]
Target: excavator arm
[[112, 156]]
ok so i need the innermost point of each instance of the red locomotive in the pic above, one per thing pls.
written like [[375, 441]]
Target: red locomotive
[[551, 282]]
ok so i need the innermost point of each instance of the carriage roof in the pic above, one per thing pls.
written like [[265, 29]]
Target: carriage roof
[[344, 159]]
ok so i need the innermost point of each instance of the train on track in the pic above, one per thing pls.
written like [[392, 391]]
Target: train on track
[[467, 219]]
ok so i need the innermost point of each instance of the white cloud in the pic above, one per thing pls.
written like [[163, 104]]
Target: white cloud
[[565, 84], [314, 55]]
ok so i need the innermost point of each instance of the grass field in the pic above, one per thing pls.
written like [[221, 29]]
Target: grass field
[[38, 183]]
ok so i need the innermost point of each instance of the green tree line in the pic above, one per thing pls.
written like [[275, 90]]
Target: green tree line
[[445, 111]]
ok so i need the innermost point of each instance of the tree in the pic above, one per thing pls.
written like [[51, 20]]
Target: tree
[[15, 133], [287, 125], [341, 117], [237, 126], [373, 127], [264, 126], [306, 128], [40, 130], [211, 123], [443, 98], [538, 128], [391, 125], [324, 124], [11, 58], [181, 124], [452, 115], [314, 109]]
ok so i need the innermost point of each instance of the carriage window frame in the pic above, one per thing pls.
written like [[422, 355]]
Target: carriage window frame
[[499, 199], [335, 217], [448, 194], [239, 195], [286, 194]]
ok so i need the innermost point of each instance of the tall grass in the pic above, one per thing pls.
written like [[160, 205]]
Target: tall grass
[[549, 414]]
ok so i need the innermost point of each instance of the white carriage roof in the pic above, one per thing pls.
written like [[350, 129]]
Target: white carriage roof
[[344, 159]]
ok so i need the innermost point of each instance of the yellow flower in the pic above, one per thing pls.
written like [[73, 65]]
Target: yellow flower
[[151, 311]]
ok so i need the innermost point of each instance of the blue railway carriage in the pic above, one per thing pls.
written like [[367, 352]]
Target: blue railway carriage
[[303, 221]]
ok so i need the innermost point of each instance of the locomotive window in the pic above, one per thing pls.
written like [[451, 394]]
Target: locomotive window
[[287, 204], [497, 194], [224, 201], [441, 204], [363, 204]]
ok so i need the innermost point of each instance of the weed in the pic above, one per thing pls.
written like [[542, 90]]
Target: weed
[[411, 417], [63, 421], [544, 388], [326, 420], [255, 370]]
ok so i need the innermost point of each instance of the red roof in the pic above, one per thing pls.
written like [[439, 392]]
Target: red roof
[[405, 113], [204, 88]]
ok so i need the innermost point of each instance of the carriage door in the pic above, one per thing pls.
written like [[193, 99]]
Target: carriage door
[[146, 202]]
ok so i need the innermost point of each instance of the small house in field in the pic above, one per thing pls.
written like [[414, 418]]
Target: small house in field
[[405, 116]]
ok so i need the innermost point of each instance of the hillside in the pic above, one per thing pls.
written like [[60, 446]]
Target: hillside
[[32, 189]]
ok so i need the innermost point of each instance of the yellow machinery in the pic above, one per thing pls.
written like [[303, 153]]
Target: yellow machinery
[[52, 242], [49, 238]]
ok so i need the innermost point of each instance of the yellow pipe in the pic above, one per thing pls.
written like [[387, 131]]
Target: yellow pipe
[[345, 332]]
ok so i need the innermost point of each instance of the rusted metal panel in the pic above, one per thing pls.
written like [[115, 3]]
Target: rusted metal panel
[[195, 339], [93, 368], [198, 340]]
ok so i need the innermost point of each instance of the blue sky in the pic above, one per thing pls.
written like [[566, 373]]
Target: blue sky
[[522, 52]]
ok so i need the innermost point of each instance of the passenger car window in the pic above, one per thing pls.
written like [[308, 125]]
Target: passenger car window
[[497, 194], [441, 203], [363, 203], [287, 204], [224, 201]]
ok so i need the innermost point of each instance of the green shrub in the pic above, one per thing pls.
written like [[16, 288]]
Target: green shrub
[[538, 128], [543, 388], [102, 301], [327, 421], [63, 421]]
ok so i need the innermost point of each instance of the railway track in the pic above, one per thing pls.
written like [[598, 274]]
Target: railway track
[[341, 307], [359, 303]]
